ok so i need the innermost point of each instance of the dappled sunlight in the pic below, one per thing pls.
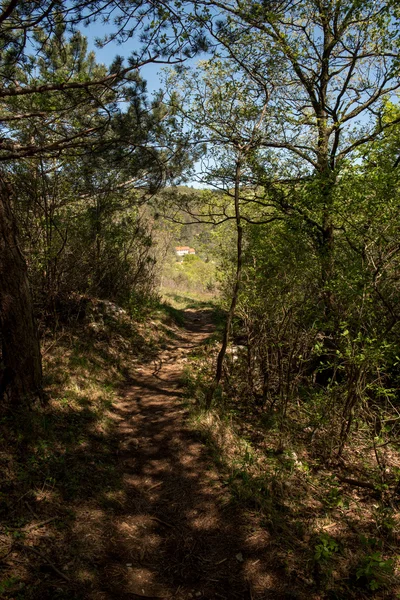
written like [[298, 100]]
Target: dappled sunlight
[[134, 499], [88, 532], [174, 513]]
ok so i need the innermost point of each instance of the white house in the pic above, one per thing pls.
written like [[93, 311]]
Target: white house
[[182, 250]]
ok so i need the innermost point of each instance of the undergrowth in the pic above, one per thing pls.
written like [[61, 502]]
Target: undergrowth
[[60, 456], [329, 535]]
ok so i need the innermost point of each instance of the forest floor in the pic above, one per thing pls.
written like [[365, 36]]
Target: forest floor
[[113, 494], [131, 505]]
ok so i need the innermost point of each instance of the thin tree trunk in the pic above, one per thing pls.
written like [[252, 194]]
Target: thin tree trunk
[[326, 250], [235, 291], [21, 369]]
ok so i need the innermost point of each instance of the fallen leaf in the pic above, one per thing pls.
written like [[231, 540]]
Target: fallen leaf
[[239, 557]]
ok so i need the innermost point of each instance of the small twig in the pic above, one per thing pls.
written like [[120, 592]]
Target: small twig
[[158, 368], [358, 483], [47, 560], [19, 499], [250, 590], [34, 525], [329, 526], [162, 522], [41, 524], [7, 553], [28, 506], [156, 485], [379, 463], [392, 441], [45, 350]]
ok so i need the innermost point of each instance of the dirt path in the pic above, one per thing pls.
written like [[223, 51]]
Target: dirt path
[[114, 496], [173, 532]]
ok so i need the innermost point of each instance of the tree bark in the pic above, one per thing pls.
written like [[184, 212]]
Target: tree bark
[[21, 368], [327, 247], [235, 291]]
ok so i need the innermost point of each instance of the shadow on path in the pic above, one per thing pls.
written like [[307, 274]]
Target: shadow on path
[[137, 510], [174, 531]]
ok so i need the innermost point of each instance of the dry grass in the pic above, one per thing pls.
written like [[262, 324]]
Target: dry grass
[[62, 481], [57, 459]]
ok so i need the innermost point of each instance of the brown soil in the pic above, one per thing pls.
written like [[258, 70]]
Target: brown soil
[[161, 522], [176, 533]]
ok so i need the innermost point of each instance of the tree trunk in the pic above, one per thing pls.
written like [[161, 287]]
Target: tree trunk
[[326, 250], [21, 369], [326, 256], [236, 288]]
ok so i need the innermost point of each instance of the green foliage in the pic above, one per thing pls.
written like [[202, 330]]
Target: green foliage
[[8, 584], [325, 548], [375, 571], [85, 176], [335, 499], [316, 329], [192, 274]]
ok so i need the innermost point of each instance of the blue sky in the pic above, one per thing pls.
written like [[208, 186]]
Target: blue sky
[[150, 73], [110, 51]]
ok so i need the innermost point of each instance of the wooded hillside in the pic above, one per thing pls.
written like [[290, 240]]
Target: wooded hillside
[[273, 149]]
